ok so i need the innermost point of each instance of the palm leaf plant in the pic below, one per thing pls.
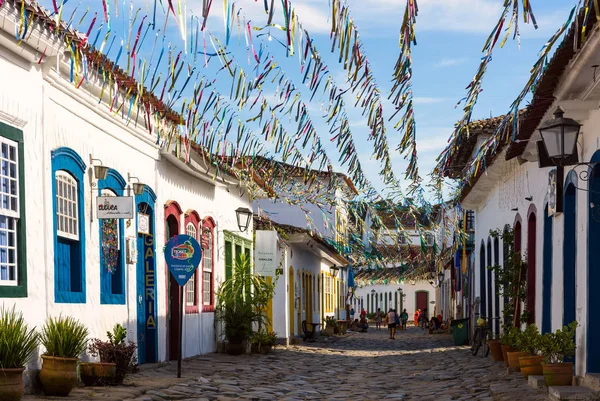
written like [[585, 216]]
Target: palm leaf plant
[[241, 301], [64, 337], [17, 341]]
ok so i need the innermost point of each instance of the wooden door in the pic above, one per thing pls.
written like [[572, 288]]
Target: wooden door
[[422, 300]]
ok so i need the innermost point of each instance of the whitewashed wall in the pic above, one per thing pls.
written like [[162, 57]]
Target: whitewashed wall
[[52, 113]]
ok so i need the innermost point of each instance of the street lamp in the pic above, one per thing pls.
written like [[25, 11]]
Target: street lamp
[[100, 170], [333, 270], [243, 215], [559, 136], [440, 277], [138, 187]]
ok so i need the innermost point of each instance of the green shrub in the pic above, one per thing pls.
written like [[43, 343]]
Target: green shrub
[[530, 340], [115, 350], [264, 338], [510, 337], [64, 337], [559, 345], [17, 340]]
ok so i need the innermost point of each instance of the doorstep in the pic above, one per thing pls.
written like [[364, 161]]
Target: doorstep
[[591, 380], [563, 393], [536, 381]]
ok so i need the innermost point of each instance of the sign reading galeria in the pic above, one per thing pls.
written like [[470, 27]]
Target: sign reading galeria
[[265, 253], [114, 207]]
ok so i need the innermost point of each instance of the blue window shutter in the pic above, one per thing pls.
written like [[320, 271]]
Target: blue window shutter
[[69, 256], [112, 285]]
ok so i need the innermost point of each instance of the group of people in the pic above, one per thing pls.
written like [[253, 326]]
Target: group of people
[[393, 321]]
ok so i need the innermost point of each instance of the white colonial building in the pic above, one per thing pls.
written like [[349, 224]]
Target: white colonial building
[[553, 213], [57, 257]]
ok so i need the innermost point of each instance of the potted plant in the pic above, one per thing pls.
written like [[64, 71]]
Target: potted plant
[[330, 325], [530, 342], [241, 302], [17, 343], [513, 356], [64, 339], [495, 348], [508, 342], [116, 358], [556, 347], [263, 341]]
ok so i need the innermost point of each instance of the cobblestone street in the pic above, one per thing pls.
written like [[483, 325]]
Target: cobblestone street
[[363, 366]]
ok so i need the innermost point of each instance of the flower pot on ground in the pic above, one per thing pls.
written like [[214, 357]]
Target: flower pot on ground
[[97, 373], [513, 359], [530, 341], [531, 365], [65, 339], [330, 326], [496, 350], [241, 304], [508, 342], [17, 344], [556, 347], [116, 351], [263, 341]]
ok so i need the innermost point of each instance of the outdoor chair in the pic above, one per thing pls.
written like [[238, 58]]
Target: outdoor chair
[[309, 335]]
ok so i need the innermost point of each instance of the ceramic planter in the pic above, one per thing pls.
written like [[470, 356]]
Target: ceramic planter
[[11, 384], [97, 373], [531, 365], [58, 375], [329, 331], [496, 350], [558, 374], [513, 359], [235, 348], [506, 349]]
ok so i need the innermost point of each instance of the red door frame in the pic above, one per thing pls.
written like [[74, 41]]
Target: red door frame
[[173, 209]]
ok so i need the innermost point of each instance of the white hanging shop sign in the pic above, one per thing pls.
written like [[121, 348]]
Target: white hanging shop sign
[[114, 207], [265, 252]]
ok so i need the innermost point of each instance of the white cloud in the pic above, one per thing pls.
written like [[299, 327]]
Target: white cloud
[[450, 62]]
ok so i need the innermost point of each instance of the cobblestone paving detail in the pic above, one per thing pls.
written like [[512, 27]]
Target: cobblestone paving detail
[[361, 366]]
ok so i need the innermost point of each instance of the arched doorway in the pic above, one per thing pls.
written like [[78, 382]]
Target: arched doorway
[[172, 216], [547, 274], [147, 316], [482, 287], [490, 302], [569, 251], [517, 249], [531, 262], [593, 270], [496, 295]]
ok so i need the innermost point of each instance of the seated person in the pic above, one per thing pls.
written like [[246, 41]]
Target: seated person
[[363, 324], [355, 325], [435, 323]]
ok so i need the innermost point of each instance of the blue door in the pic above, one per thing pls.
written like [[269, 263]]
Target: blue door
[[569, 254], [593, 299], [547, 274], [146, 287]]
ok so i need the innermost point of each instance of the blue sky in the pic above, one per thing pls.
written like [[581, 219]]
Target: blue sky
[[450, 34]]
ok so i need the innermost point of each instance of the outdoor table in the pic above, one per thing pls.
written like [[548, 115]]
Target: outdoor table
[[343, 324]]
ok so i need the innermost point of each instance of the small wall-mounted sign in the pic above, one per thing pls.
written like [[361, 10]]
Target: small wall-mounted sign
[[143, 223], [114, 207]]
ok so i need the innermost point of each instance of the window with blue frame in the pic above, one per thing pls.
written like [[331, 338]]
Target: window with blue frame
[[68, 170], [112, 255]]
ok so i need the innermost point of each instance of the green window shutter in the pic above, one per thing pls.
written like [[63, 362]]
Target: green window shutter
[[228, 260]]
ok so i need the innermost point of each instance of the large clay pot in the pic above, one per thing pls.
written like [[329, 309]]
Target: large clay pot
[[531, 365], [496, 350], [58, 375], [235, 348], [11, 384], [558, 374], [506, 349], [513, 359], [97, 373]]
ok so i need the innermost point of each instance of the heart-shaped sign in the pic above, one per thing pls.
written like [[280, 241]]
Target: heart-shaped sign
[[182, 254]]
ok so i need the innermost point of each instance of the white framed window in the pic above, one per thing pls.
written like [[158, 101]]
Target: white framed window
[[67, 215], [190, 229], [190, 291], [9, 211], [207, 270], [8, 251]]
